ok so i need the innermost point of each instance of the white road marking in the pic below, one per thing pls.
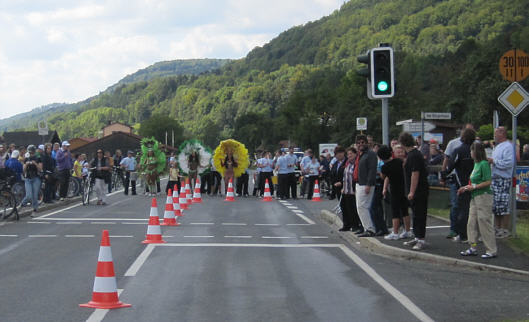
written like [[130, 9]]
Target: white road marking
[[315, 237], [96, 219], [237, 236], [202, 223], [287, 204], [233, 224], [8, 235], [135, 267], [434, 227], [99, 314], [292, 207], [68, 223], [167, 236], [58, 211], [298, 211], [298, 224], [39, 236], [133, 223], [120, 236], [276, 237], [103, 223], [403, 299], [199, 236], [80, 236], [38, 222], [266, 224], [306, 219]]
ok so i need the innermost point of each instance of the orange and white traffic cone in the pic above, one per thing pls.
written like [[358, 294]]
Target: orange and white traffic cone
[[189, 196], [267, 196], [176, 203], [183, 199], [229, 193], [105, 292], [316, 194], [169, 218], [197, 197], [154, 233]]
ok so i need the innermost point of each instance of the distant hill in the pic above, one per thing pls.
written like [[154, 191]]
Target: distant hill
[[302, 85], [28, 120], [172, 68]]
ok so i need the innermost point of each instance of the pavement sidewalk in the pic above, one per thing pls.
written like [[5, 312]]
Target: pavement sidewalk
[[440, 250]]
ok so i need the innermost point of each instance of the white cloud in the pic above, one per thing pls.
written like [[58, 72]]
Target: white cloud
[[66, 51]]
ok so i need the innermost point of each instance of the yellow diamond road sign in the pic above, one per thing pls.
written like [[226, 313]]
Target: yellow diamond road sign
[[514, 98]]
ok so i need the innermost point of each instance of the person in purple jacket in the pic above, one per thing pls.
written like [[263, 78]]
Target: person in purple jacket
[[64, 167]]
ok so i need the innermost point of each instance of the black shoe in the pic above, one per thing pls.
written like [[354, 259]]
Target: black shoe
[[344, 229], [380, 233], [367, 233], [358, 231]]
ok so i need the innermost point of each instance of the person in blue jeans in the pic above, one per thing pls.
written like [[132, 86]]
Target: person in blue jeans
[[32, 169]]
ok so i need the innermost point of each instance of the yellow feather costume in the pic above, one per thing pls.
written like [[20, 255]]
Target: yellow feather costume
[[240, 155]]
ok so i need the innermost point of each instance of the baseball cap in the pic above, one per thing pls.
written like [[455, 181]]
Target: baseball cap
[[15, 154], [65, 143], [41, 147]]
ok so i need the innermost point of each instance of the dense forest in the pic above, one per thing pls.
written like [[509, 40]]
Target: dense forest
[[302, 85]]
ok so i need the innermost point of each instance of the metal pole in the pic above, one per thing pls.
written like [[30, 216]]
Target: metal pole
[[385, 121], [513, 194], [422, 129]]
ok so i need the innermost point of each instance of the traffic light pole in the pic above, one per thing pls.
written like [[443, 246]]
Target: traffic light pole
[[385, 121]]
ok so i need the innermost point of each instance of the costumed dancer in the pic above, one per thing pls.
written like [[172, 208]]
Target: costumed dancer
[[230, 160], [194, 160], [152, 163]]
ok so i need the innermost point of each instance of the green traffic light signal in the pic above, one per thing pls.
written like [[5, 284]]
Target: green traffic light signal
[[382, 86]]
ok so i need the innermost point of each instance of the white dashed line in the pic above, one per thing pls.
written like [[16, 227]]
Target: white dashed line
[[314, 237], [102, 223], [298, 211], [292, 207], [167, 236], [199, 236], [8, 235], [233, 224], [38, 222], [43, 236], [201, 223], [237, 236], [80, 236], [266, 224], [298, 224], [276, 237], [69, 223], [306, 219], [433, 227]]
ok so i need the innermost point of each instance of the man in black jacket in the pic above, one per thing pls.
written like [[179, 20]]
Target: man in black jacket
[[463, 164], [337, 172], [365, 173]]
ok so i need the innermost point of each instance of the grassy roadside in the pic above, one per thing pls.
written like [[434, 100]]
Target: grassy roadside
[[519, 243]]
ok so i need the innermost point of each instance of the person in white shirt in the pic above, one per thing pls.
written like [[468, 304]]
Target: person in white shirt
[[502, 162], [128, 164]]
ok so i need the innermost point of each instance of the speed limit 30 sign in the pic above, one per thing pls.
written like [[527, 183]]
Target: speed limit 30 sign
[[514, 65]]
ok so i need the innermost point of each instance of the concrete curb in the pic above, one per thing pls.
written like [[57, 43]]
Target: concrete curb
[[376, 247]]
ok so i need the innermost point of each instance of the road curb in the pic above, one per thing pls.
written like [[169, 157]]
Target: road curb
[[375, 246]]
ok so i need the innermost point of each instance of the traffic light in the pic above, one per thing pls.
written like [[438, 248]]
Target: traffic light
[[382, 73], [379, 72]]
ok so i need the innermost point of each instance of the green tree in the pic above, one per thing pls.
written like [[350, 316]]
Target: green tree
[[158, 125]]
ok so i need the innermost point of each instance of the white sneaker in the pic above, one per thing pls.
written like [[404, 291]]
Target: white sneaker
[[420, 245], [456, 239], [412, 242], [392, 236], [406, 234]]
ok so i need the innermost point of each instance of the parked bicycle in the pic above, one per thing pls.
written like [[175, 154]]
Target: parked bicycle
[[88, 186], [117, 178], [19, 190], [8, 204]]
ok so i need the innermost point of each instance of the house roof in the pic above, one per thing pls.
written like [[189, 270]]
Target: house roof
[[26, 138]]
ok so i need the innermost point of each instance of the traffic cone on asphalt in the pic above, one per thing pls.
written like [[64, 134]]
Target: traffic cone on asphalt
[[197, 197], [105, 292], [316, 194], [267, 196], [183, 199], [154, 233], [176, 203], [229, 193], [169, 218], [189, 196]]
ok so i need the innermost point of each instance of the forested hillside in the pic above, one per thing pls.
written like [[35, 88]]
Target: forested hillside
[[303, 86]]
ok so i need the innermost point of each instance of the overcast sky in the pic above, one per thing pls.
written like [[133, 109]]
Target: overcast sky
[[66, 51]]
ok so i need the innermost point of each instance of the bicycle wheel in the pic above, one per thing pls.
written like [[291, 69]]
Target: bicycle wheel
[[19, 191], [73, 187], [8, 205], [87, 191]]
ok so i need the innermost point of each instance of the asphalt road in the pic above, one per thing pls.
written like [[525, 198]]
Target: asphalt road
[[241, 261]]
